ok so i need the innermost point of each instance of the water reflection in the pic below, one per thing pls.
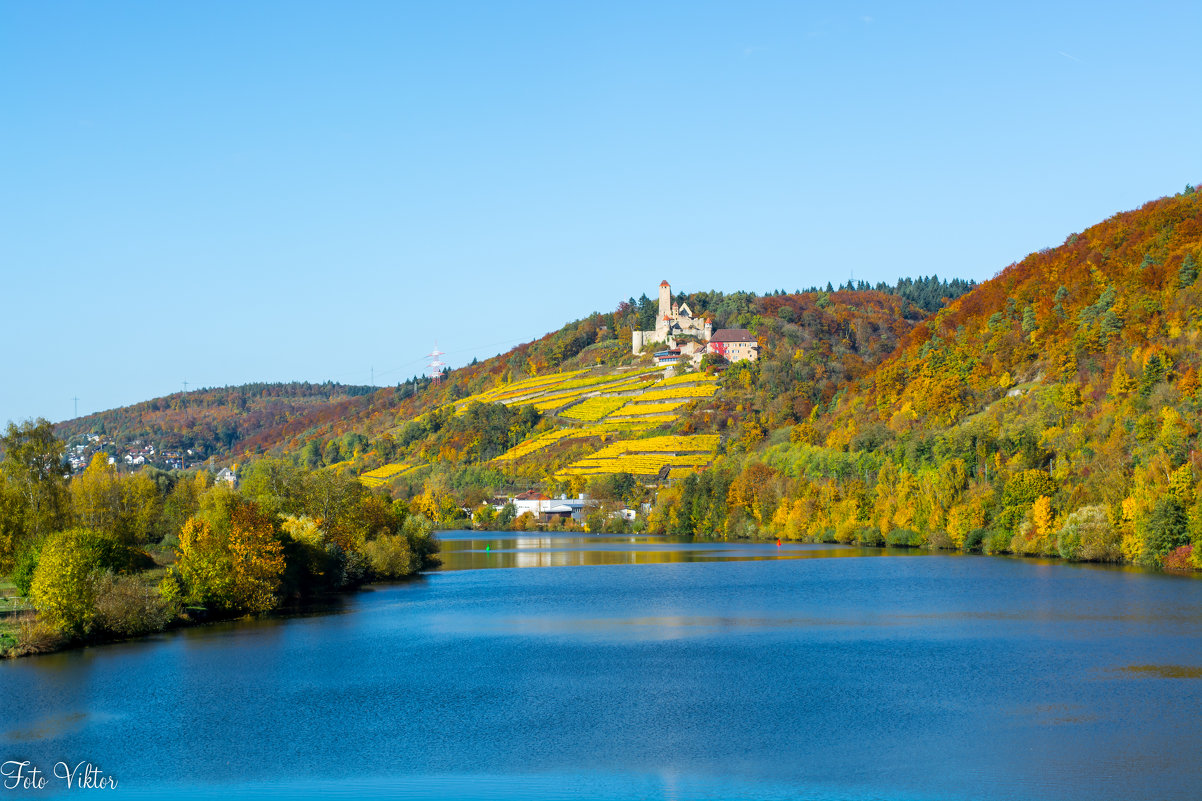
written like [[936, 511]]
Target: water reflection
[[466, 550]]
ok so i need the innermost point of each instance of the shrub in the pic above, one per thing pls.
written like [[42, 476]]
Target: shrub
[[940, 541], [237, 570], [27, 563], [870, 537], [390, 556], [975, 539], [63, 589], [1179, 559], [996, 542], [1087, 536], [901, 537], [127, 606], [1029, 542], [36, 636]]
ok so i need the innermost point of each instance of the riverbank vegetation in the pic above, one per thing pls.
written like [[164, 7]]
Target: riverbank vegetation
[[106, 555]]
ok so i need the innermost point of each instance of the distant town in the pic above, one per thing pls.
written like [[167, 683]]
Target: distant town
[[132, 455]]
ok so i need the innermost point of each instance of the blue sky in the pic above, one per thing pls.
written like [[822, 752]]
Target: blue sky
[[226, 192]]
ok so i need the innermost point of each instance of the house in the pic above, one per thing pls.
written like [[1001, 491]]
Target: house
[[227, 475], [667, 357], [543, 507], [735, 344]]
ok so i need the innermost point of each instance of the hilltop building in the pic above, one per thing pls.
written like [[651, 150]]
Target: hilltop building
[[673, 321], [735, 344]]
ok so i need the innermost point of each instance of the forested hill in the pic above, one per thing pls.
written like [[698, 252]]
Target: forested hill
[[212, 421], [1055, 409]]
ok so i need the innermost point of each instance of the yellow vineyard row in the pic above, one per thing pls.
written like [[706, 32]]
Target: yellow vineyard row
[[592, 409], [689, 378], [678, 393], [642, 464]]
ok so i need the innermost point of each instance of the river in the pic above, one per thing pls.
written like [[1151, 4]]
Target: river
[[641, 667]]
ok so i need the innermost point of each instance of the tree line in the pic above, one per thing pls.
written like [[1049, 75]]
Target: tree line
[[106, 554]]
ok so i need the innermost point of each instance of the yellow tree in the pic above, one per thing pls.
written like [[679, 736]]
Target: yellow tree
[[96, 495], [64, 584], [124, 507], [236, 571]]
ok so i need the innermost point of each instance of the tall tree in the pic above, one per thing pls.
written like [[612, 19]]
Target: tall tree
[[34, 470]]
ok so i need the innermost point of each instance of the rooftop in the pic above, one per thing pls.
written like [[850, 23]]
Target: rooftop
[[732, 335]]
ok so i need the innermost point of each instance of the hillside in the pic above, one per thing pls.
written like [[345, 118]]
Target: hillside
[[814, 343], [582, 389], [210, 422], [1052, 410]]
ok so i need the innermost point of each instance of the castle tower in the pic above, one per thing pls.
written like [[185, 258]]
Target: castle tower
[[665, 299]]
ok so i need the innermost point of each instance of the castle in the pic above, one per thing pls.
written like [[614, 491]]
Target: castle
[[672, 322]]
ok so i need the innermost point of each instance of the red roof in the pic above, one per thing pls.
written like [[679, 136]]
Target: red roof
[[732, 335], [664, 283], [531, 495]]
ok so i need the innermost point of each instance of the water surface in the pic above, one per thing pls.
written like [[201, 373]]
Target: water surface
[[654, 668]]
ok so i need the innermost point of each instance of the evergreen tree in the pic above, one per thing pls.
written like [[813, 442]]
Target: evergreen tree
[[1188, 272]]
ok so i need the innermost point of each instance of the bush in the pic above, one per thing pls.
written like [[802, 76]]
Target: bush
[[870, 537], [996, 542], [63, 589], [127, 606], [975, 539], [940, 541], [27, 563], [36, 636], [1028, 542], [901, 538], [390, 557], [1179, 559], [1087, 536], [422, 541]]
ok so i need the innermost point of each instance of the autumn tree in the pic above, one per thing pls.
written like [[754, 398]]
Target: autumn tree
[[64, 587], [237, 570]]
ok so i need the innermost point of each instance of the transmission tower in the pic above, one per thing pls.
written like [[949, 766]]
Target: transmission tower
[[436, 364]]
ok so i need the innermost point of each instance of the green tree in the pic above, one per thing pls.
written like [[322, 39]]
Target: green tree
[[277, 485], [71, 562], [34, 474], [1188, 272], [1166, 526]]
